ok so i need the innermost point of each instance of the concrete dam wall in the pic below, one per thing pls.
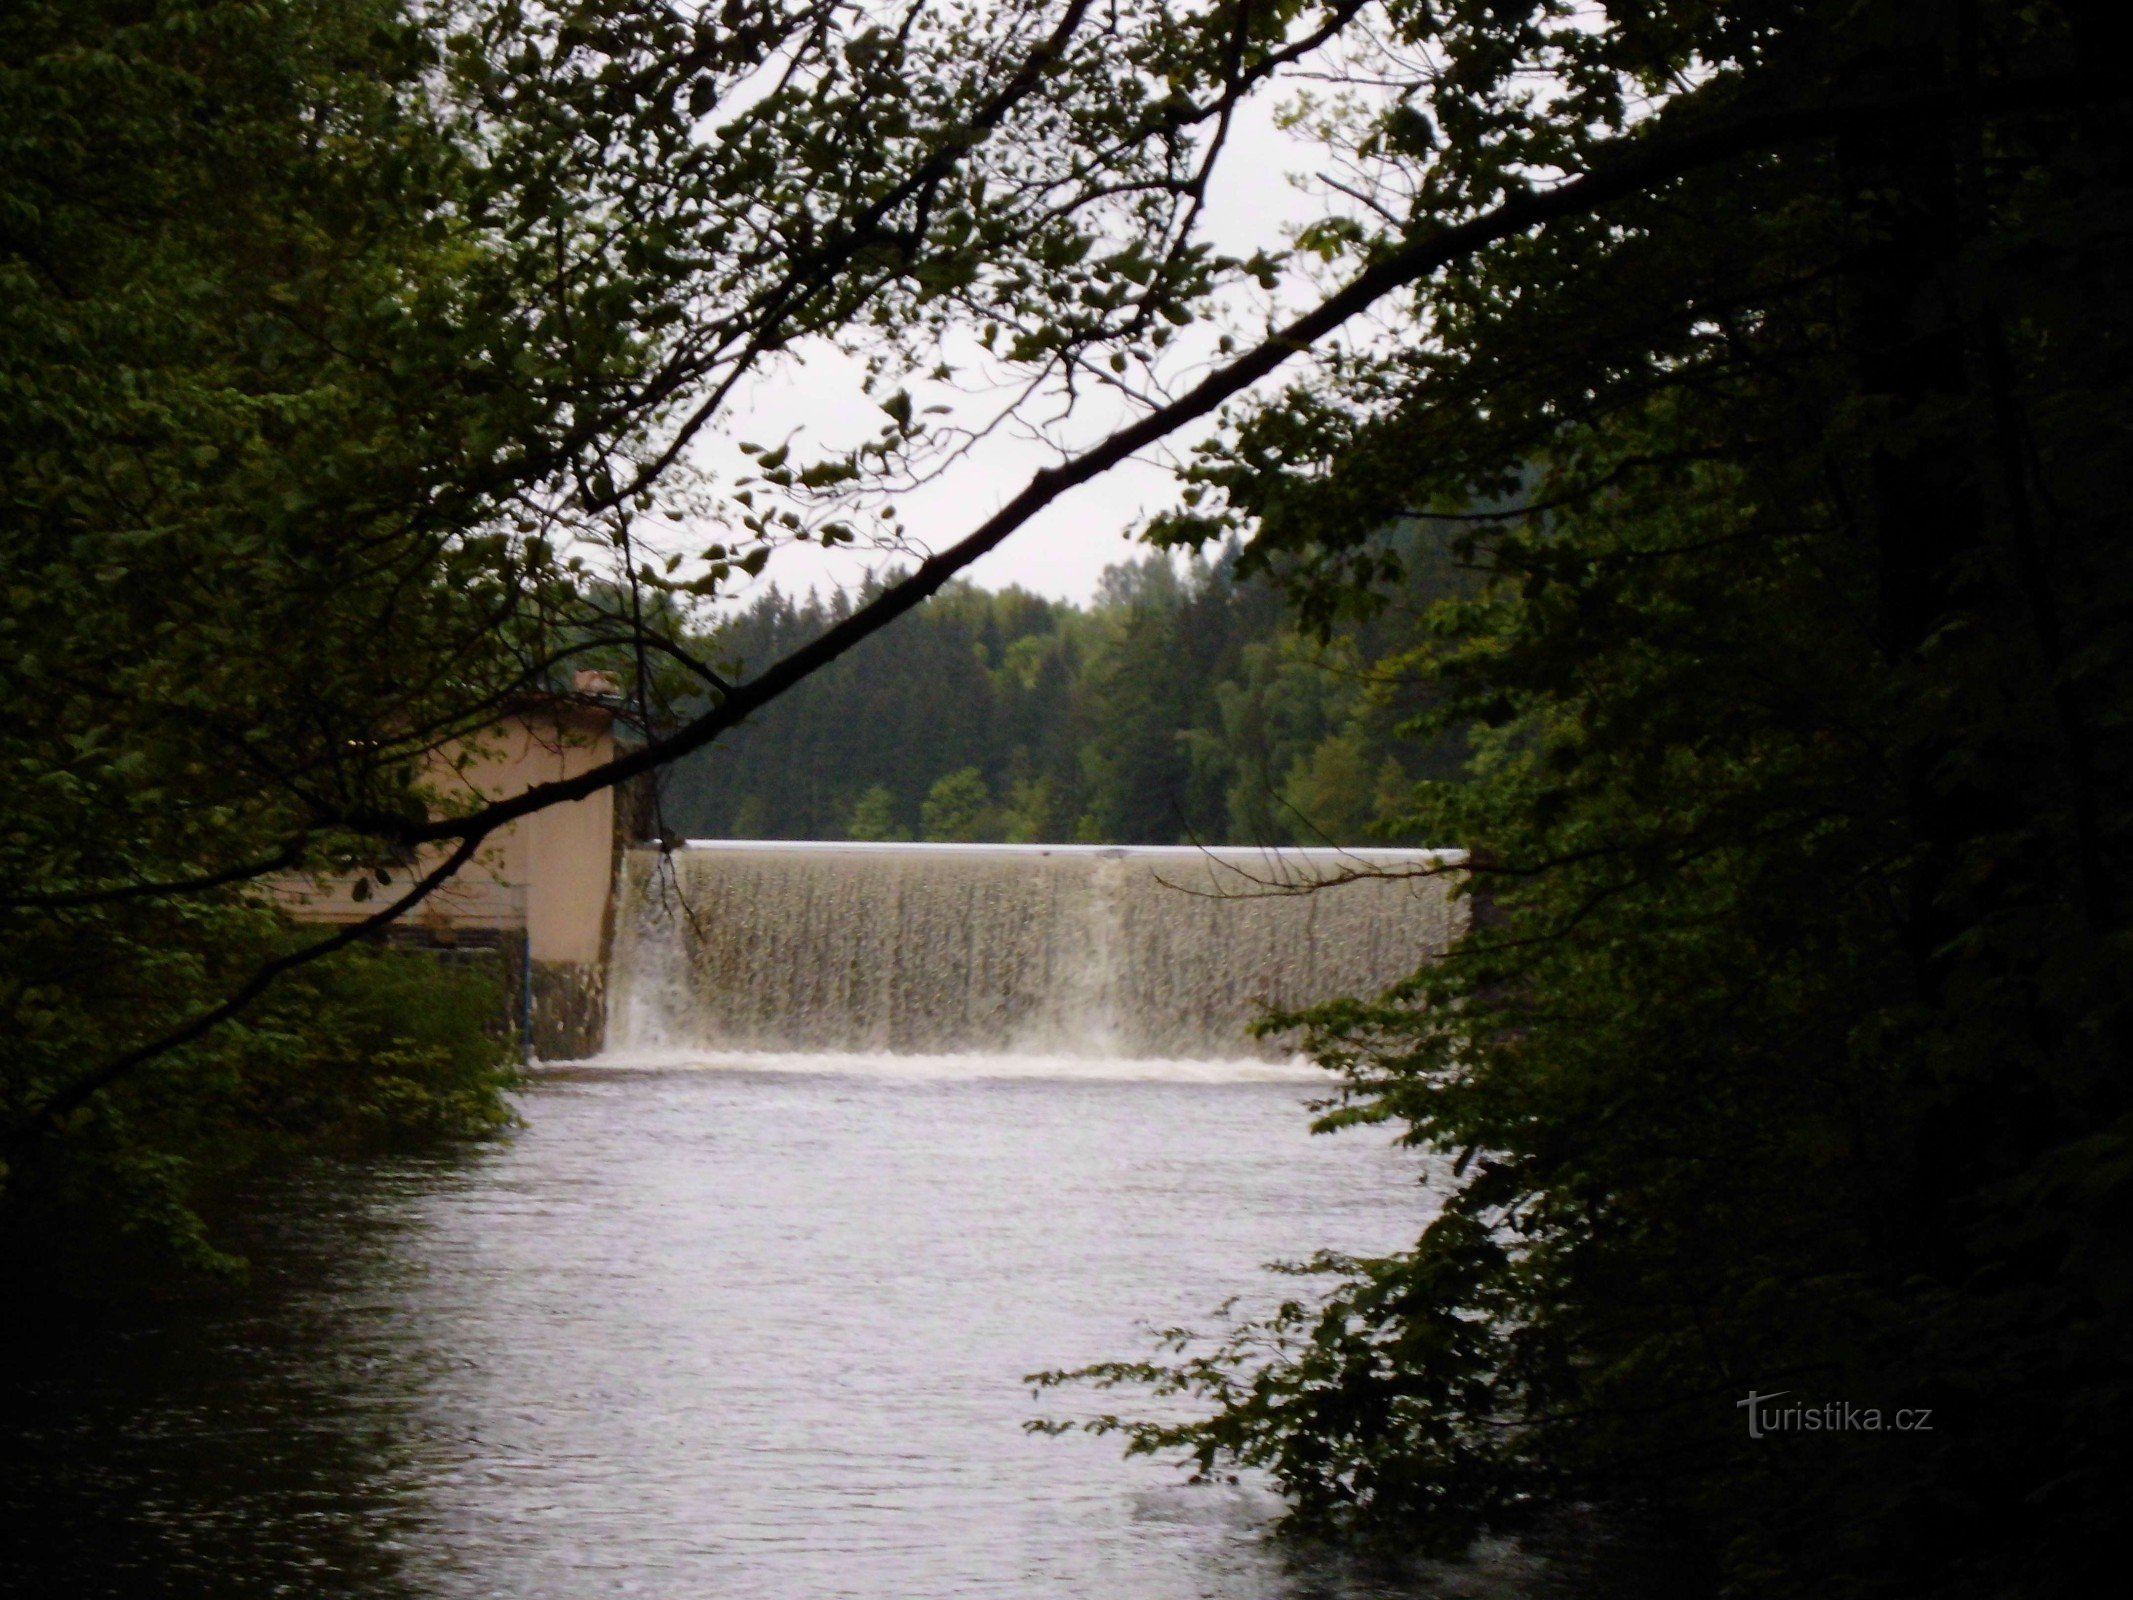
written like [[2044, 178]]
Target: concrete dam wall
[[1027, 949]]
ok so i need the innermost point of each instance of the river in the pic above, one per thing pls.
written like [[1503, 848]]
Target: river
[[745, 1328]]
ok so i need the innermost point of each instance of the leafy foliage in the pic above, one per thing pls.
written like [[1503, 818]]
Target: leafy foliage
[[266, 389], [1786, 1051], [352, 353], [372, 1048]]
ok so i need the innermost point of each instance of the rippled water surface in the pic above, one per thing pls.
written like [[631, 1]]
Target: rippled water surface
[[719, 1330]]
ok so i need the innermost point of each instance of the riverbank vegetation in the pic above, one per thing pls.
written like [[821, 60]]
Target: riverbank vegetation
[[371, 1049], [254, 440]]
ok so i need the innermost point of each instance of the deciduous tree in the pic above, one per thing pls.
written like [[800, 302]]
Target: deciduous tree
[[1786, 1050]]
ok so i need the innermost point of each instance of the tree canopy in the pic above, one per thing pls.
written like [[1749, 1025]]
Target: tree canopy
[[1785, 1054], [353, 351]]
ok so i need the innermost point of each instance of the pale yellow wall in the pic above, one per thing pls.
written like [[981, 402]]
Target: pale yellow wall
[[560, 857], [549, 872]]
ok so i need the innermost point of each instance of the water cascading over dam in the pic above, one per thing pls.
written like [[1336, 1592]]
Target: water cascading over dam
[[1036, 949]]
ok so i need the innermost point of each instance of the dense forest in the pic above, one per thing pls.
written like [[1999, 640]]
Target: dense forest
[[1183, 705]]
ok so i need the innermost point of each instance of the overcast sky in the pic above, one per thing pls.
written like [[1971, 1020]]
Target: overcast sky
[[1064, 551]]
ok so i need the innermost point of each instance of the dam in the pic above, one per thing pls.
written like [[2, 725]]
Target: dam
[[1054, 950]]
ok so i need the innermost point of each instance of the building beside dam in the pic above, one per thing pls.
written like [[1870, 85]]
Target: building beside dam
[[724, 946], [539, 897]]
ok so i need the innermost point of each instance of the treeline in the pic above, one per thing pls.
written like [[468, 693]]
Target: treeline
[[1181, 705]]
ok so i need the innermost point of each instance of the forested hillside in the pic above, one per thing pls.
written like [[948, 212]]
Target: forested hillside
[[1181, 705]]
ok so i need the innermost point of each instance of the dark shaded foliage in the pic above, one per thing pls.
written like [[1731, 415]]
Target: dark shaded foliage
[[1787, 1053]]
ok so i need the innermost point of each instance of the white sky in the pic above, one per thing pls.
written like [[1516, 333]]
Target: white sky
[[1062, 552]]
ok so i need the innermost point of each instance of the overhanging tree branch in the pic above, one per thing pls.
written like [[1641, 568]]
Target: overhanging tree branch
[[290, 855], [1627, 168], [79, 1092]]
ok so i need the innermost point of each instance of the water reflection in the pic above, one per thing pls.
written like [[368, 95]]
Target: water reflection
[[710, 1332]]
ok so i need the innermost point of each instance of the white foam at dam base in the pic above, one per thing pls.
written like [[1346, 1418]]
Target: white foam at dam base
[[968, 1067], [1005, 960]]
